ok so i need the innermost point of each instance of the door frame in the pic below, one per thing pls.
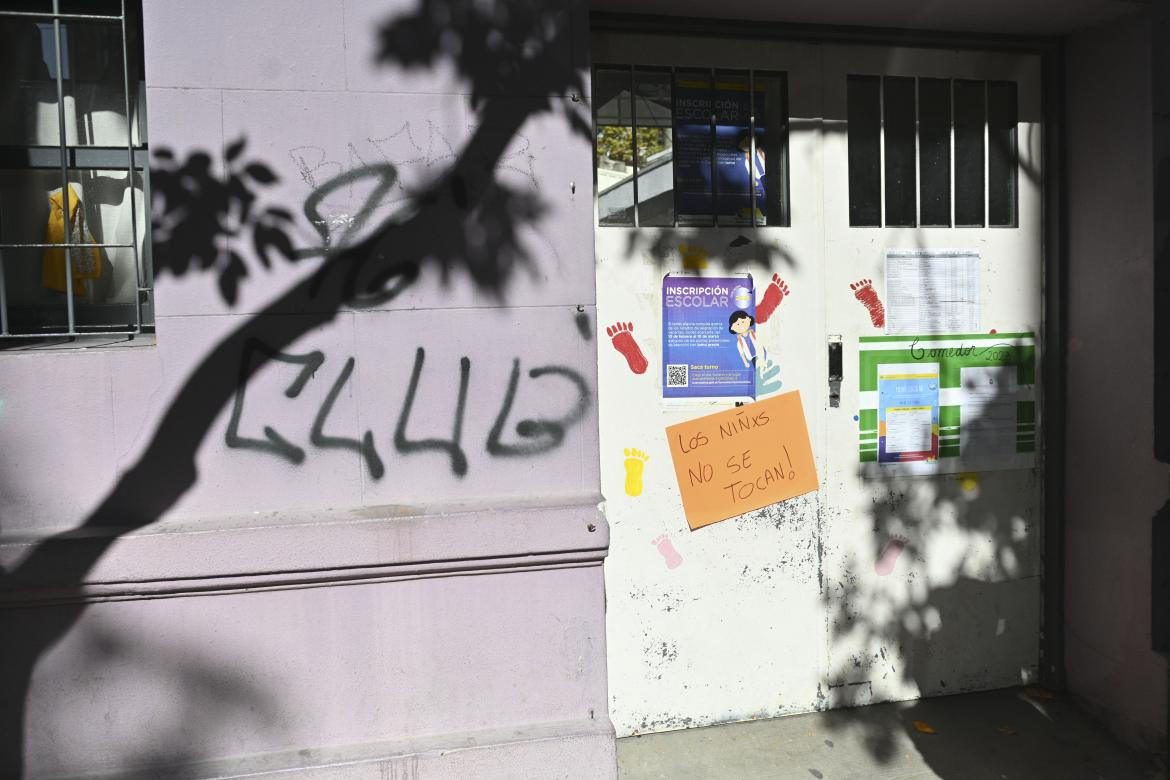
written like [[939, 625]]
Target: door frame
[[1054, 232]]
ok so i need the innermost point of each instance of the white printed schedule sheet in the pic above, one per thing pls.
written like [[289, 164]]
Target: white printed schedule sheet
[[988, 396], [932, 291], [909, 429]]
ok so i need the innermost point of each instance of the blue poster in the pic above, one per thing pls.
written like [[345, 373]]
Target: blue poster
[[709, 344], [694, 104]]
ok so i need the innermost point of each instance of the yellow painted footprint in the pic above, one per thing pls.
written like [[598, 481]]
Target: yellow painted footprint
[[635, 464], [694, 257]]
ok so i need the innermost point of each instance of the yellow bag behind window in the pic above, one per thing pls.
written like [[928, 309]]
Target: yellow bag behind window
[[86, 262]]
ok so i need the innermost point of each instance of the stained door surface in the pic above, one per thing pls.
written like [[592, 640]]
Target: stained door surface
[[882, 584]]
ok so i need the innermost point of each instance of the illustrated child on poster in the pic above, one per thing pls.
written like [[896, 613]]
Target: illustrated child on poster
[[743, 325]]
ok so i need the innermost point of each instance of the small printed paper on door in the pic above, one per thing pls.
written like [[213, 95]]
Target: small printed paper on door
[[932, 291], [742, 459], [944, 404]]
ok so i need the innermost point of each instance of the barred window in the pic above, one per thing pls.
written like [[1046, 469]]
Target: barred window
[[74, 248], [678, 146], [931, 152]]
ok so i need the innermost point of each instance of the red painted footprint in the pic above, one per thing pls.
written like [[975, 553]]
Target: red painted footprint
[[864, 292], [623, 342], [776, 292]]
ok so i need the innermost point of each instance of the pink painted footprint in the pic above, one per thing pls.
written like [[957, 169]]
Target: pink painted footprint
[[777, 291], [864, 292], [669, 554], [623, 342], [889, 556]]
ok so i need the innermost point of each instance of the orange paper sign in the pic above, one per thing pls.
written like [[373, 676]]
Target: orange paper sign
[[742, 459]]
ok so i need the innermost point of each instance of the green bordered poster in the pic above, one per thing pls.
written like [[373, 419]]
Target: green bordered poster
[[947, 403]]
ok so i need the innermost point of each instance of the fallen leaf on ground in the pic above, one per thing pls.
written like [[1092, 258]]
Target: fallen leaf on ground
[[924, 728], [1039, 694]]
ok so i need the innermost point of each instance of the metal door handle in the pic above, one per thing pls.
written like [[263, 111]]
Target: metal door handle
[[836, 370]]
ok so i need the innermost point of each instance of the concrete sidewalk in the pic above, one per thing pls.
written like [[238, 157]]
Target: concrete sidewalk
[[995, 735]]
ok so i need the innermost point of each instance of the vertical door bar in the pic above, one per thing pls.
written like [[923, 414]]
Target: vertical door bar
[[714, 142], [130, 177], [882, 150], [783, 168], [986, 159], [64, 171], [634, 141], [917, 158], [3, 299], [143, 134], [674, 144], [953, 162], [752, 144]]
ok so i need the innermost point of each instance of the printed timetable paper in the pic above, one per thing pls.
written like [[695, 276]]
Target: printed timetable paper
[[988, 405], [742, 459], [932, 291]]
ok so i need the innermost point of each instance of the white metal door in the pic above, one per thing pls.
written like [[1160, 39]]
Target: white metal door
[[932, 582], [781, 610]]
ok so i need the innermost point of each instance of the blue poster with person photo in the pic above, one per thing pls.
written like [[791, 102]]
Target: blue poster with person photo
[[710, 349], [737, 172]]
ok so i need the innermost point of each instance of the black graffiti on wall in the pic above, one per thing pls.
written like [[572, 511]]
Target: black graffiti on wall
[[463, 219], [411, 146], [533, 435]]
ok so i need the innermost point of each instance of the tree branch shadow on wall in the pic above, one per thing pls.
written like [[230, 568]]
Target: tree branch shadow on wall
[[943, 599], [466, 221], [736, 247], [954, 622]]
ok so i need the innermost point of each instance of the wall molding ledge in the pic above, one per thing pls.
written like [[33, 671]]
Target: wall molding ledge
[[298, 549], [574, 748]]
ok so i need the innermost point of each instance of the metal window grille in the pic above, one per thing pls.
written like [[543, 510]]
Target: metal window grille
[[932, 152], [621, 105], [40, 319]]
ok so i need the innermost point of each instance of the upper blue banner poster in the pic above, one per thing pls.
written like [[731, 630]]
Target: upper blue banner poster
[[736, 173], [709, 345]]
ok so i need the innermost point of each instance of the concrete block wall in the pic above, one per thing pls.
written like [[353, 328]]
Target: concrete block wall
[[319, 527]]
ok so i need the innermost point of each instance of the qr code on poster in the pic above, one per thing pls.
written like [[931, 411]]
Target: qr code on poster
[[676, 375]]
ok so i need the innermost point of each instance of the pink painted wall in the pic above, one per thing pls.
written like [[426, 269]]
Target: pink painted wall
[[1114, 486], [297, 606]]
